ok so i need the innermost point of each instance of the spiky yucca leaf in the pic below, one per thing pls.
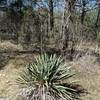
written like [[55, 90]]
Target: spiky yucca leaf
[[47, 75]]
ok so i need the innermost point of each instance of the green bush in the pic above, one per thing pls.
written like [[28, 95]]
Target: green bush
[[46, 79]]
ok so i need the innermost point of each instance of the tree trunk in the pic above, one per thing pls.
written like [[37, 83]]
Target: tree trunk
[[98, 15], [68, 28], [51, 19], [83, 11]]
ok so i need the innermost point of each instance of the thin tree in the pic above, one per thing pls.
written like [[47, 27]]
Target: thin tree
[[68, 28], [83, 11], [51, 19], [98, 14]]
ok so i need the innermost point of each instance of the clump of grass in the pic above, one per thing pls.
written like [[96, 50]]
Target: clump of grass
[[45, 79]]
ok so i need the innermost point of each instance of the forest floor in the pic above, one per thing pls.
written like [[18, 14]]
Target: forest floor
[[87, 67]]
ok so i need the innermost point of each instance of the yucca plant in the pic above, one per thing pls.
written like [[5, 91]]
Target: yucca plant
[[47, 78]]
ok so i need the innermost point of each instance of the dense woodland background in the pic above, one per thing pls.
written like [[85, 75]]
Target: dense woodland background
[[70, 28], [50, 21]]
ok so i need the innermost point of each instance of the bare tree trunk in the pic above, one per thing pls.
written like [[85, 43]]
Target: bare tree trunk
[[68, 28], [51, 20], [83, 11], [64, 24], [98, 15]]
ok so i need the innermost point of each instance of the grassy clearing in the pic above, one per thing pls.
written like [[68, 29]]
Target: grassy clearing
[[8, 87], [88, 76]]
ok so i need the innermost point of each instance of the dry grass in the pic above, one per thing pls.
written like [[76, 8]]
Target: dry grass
[[87, 64], [7, 45], [91, 83], [8, 87], [87, 67], [8, 76], [90, 45]]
